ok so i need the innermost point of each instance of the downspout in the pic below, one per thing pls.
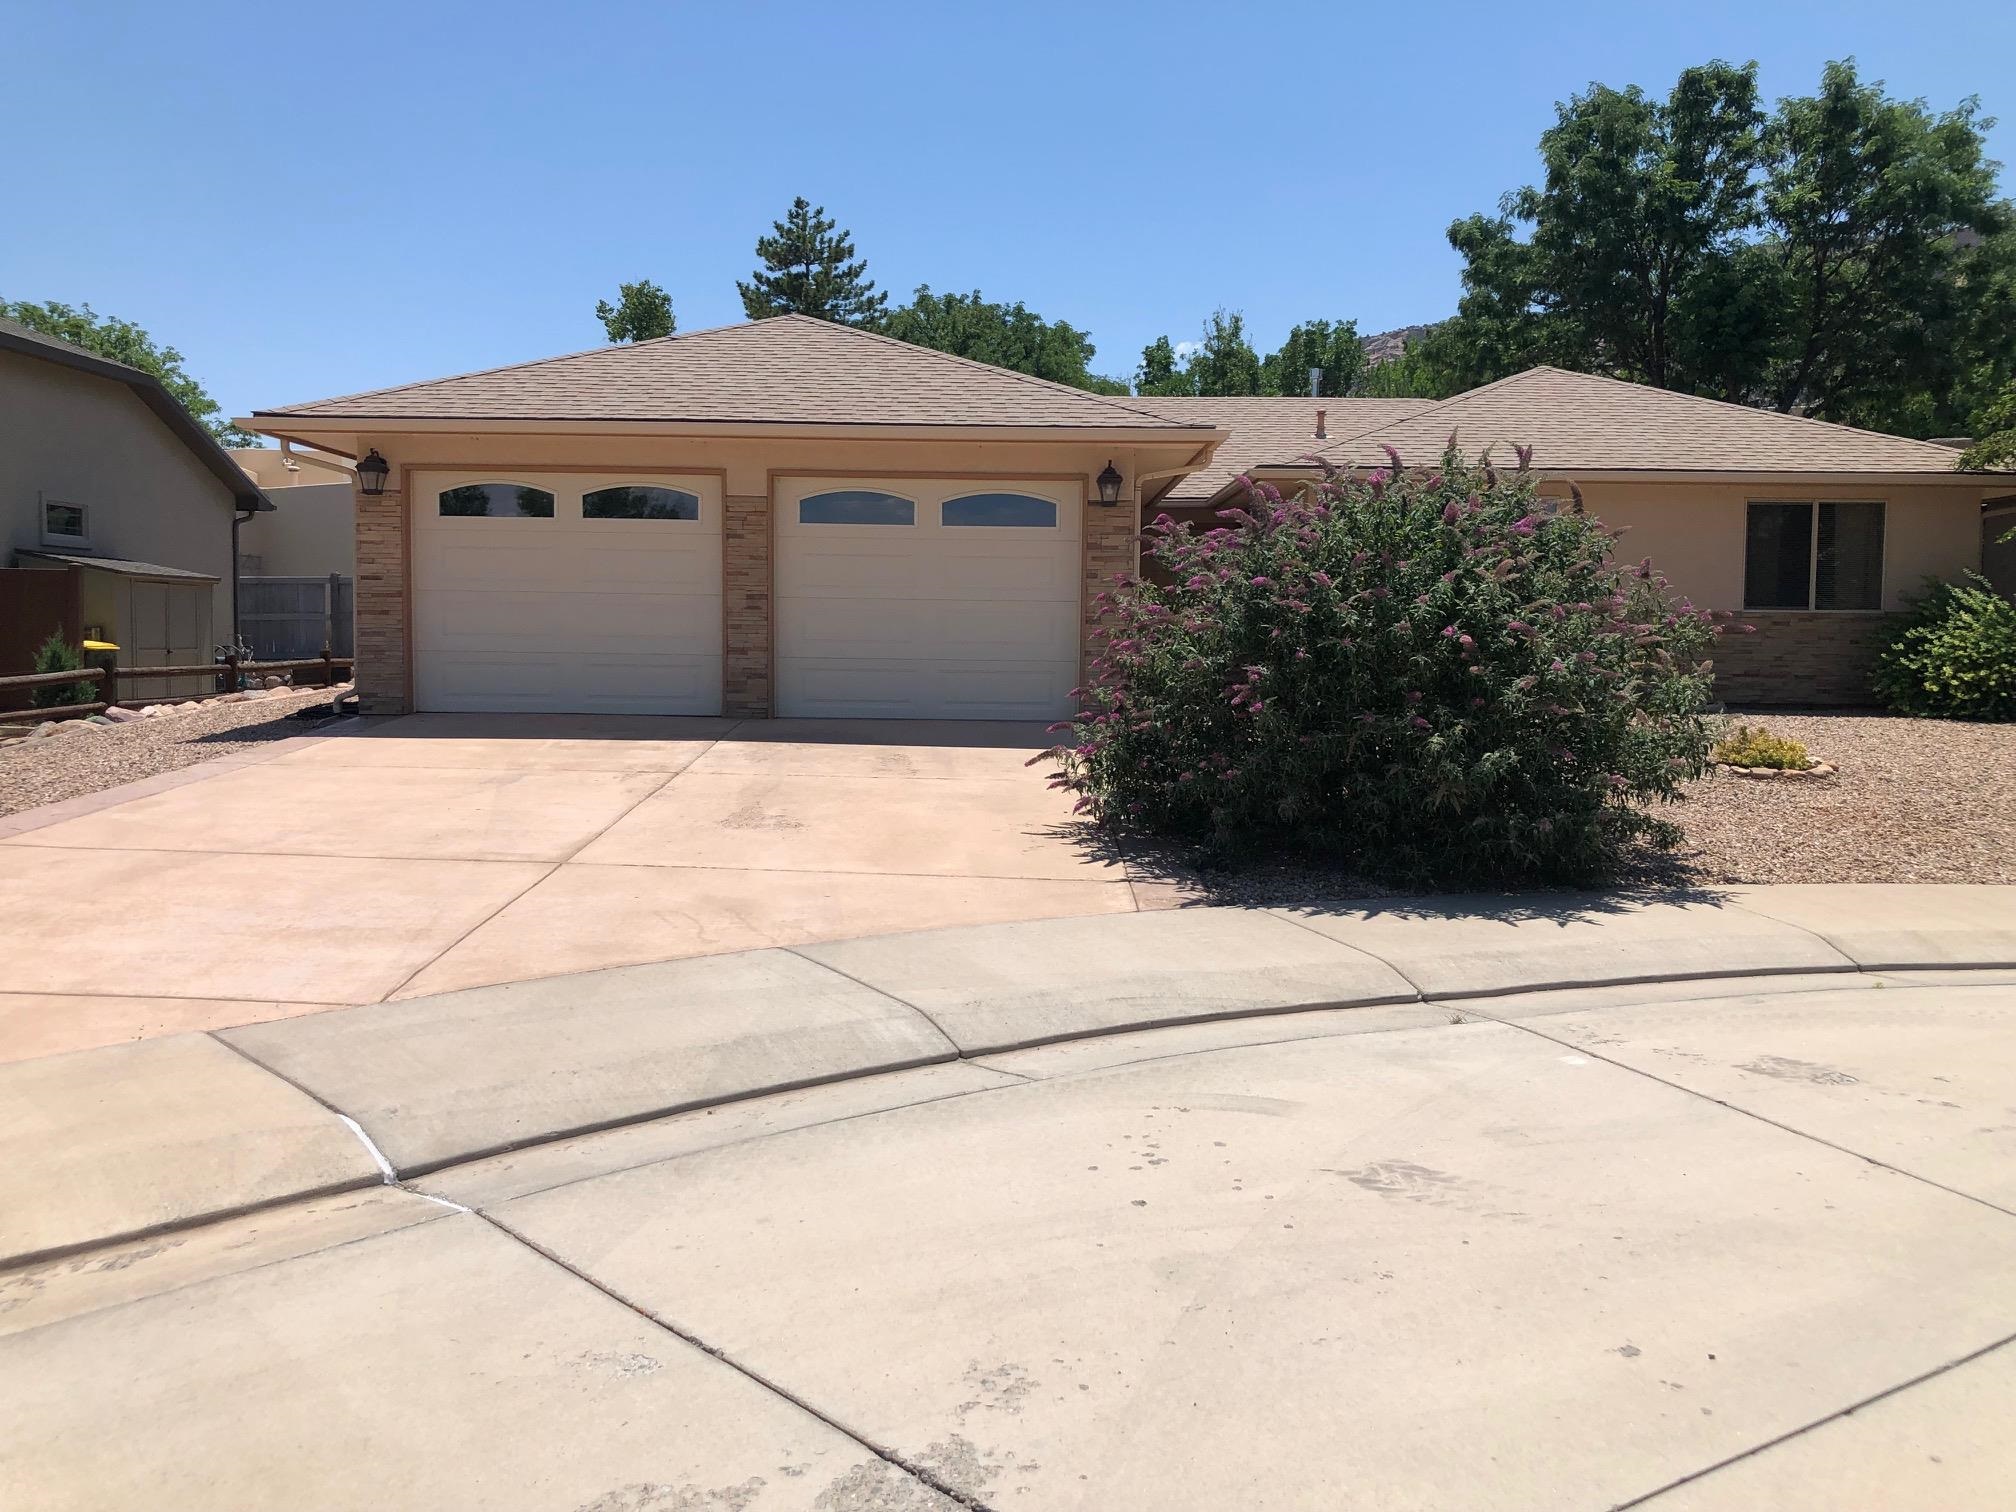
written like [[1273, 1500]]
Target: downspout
[[237, 519]]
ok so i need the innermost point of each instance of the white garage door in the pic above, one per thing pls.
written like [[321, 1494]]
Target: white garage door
[[928, 600], [572, 593]]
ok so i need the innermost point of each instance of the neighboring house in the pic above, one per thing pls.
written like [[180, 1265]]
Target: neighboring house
[[316, 533], [795, 518], [117, 511]]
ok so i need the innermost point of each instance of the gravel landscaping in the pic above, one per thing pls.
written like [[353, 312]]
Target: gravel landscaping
[[1915, 800], [51, 768]]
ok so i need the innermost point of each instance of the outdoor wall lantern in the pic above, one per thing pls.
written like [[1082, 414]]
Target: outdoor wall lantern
[[1109, 486], [371, 474]]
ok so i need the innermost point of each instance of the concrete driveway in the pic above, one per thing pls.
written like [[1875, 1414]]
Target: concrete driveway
[[441, 851]]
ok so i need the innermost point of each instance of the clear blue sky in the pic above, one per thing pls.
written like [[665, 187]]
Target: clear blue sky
[[311, 200]]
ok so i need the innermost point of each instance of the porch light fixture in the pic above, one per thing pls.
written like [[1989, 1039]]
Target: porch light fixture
[[1109, 486], [371, 474]]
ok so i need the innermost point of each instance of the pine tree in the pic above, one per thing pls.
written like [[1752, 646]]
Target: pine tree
[[809, 268]]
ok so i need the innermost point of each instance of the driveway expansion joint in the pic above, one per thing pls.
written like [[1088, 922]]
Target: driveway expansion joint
[[1593, 1053], [1650, 1498], [887, 1456]]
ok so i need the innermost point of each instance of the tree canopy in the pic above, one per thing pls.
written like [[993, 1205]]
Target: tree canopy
[[1006, 335], [122, 341], [809, 268], [1844, 257], [1335, 348], [642, 312]]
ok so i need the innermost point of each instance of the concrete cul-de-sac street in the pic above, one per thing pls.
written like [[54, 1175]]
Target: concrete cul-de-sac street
[[436, 1184]]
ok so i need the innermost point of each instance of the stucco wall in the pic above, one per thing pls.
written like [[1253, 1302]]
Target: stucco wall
[[87, 440], [1694, 532], [311, 532]]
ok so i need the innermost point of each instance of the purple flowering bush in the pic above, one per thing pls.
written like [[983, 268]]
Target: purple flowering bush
[[1429, 675]]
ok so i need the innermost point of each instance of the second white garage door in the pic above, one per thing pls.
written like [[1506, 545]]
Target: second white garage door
[[927, 600], [569, 593]]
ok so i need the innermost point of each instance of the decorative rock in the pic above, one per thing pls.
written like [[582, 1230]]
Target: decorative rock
[[118, 715], [273, 680], [1818, 771]]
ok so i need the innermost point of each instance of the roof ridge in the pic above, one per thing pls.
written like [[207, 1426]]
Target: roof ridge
[[1730, 404], [608, 348], [1440, 404], [1104, 400]]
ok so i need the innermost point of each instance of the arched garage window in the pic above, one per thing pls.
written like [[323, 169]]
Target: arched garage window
[[640, 503], [857, 506], [509, 501], [1000, 509]]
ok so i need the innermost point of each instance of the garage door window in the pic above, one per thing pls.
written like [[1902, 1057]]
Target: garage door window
[[857, 506], [1001, 509], [639, 503], [508, 501]]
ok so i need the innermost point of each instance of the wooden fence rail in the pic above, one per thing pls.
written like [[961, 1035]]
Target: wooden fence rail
[[108, 678]]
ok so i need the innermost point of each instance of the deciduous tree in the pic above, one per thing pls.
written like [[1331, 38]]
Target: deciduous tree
[[1335, 348], [642, 312]]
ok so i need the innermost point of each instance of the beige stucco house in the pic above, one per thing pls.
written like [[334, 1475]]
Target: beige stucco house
[[794, 518], [315, 533], [117, 511]]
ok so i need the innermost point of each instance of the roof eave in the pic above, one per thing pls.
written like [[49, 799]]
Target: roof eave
[[323, 430], [1688, 474]]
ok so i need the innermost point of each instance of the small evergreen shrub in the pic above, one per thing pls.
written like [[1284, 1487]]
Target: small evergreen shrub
[[1745, 747], [58, 655], [1954, 656], [1427, 675]]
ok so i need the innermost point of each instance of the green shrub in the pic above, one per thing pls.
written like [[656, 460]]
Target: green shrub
[[1428, 675], [1954, 656], [58, 655], [1746, 747]]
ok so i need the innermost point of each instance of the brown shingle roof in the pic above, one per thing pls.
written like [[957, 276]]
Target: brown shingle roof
[[790, 370], [1269, 430], [1576, 421]]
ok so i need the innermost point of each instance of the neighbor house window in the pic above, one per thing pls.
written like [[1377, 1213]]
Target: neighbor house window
[[857, 506], [635, 503], [999, 509], [64, 524], [506, 501], [1813, 556]]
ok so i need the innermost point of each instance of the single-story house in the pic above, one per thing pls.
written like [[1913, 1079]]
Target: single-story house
[[117, 511], [789, 517]]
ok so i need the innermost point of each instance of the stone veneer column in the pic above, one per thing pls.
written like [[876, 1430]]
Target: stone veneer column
[[383, 580], [746, 586], [1112, 547]]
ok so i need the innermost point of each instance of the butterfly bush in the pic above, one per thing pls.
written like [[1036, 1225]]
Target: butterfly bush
[[1429, 674]]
